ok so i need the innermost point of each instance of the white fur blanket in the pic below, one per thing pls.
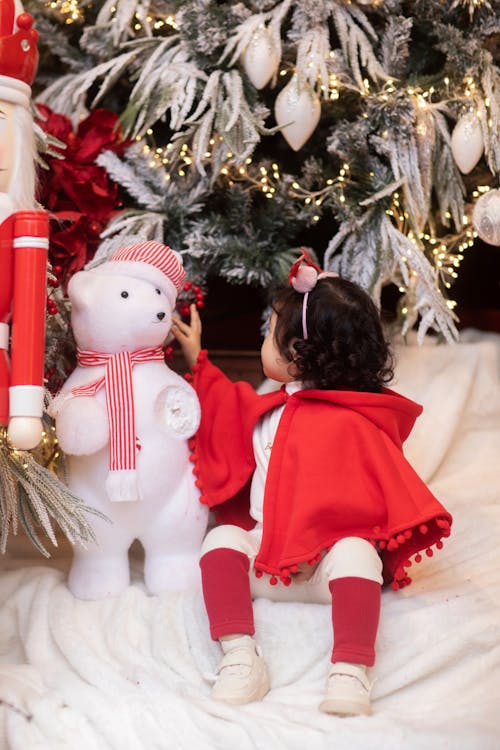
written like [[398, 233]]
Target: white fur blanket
[[128, 673]]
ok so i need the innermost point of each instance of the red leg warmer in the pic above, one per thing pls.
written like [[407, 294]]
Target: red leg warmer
[[226, 590], [355, 617]]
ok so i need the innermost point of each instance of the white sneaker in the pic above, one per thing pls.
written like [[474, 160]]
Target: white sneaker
[[242, 675], [347, 690]]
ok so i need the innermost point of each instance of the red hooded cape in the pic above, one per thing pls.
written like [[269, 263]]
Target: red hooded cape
[[337, 469]]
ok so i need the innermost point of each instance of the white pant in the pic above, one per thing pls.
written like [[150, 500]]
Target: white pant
[[349, 557]]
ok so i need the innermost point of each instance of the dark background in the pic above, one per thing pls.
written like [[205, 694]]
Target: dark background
[[232, 314]]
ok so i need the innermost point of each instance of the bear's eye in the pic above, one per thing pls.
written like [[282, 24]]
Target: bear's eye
[[157, 291], [124, 295]]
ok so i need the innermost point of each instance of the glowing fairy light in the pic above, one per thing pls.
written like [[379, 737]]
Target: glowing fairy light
[[446, 253], [333, 87], [69, 9], [471, 5], [317, 197]]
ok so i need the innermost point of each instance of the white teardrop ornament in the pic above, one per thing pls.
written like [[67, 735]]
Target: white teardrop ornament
[[297, 110], [467, 144], [260, 58], [486, 217]]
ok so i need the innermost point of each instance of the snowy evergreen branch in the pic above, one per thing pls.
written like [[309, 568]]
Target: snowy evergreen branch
[[374, 252], [125, 175], [58, 44], [243, 33], [130, 226], [168, 82], [241, 38], [490, 120], [395, 46], [32, 497], [421, 280], [205, 27], [471, 6], [405, 159], [224, 113], [247, 258], [56, 95], [402, 74], [355, 252], [307, 15], [117, 15], [446, 177], [353, 30], [313, 55]]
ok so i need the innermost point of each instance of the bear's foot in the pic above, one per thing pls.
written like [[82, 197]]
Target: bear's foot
[[170, 572], [98, 577]]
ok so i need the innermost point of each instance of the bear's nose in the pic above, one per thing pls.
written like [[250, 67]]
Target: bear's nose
[[160, 316]]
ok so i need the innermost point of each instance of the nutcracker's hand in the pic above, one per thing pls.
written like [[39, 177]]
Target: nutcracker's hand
[[25, 432]]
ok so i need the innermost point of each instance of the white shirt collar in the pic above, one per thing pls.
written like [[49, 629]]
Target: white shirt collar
[[293, 387]]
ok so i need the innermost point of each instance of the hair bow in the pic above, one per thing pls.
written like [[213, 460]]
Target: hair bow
[[303, 276]]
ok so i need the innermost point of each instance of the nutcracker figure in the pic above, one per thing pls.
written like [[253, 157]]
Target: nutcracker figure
[[23, 236]]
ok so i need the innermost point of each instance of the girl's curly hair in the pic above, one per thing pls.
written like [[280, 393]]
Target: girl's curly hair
[[345, 349]]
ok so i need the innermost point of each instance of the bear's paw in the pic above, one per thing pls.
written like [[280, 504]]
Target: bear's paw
[[82, 426], [178, 410]]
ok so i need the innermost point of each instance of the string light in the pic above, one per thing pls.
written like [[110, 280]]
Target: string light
[[470, 87], [446, 253], [318, 196], [472, 5], [262, 179], [156, 23], [333, 87], [69, 9]]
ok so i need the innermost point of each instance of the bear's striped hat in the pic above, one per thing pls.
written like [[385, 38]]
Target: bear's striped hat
[[150, 261]]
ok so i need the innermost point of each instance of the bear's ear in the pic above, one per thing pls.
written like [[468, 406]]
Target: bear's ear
[[81, 290]]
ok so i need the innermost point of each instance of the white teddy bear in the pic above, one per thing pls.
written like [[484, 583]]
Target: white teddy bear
[[123, 418]]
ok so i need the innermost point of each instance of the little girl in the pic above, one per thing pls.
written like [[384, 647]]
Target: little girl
[[309, 483]]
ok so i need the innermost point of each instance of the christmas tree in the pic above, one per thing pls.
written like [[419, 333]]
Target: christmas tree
[[238, 131]]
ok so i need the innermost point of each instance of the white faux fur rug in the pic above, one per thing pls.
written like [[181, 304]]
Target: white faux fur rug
[[128, 673]]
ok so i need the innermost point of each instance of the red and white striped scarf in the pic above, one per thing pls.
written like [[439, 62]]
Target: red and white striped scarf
[[117, 380]]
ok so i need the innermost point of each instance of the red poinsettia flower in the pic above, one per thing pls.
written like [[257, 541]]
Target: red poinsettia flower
[[98, 132], [73, 242], [84, 188], [76, 191]]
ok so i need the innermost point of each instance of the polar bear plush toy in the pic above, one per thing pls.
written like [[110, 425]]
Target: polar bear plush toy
[[123, 418]]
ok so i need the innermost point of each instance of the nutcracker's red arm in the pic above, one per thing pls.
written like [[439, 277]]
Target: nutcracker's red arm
[[6, 286], [30, 242]]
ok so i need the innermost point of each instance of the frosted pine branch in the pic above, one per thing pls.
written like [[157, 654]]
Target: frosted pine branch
[[357, 48], [362, 257], [395, 46], [224, 111], [129, 227], [447, 179], [313, 54], [33, 498], [118, 15], [168, 83], [241, 38], [56, 95], [490, 122], [419, 275], [125, 175]]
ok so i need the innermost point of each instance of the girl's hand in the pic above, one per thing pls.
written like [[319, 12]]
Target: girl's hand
[[188, 335]]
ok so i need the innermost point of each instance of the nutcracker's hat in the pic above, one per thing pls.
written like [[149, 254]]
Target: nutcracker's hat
[[18, 53]]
